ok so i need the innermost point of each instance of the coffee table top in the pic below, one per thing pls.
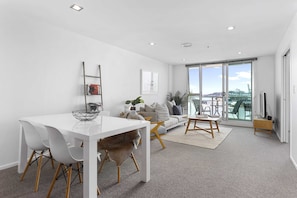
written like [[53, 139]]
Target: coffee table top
[[203, 118]]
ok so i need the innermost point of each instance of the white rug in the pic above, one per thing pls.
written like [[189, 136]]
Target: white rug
[[197, 138]]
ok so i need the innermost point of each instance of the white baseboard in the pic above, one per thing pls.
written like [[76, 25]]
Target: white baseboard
[[6, 166]]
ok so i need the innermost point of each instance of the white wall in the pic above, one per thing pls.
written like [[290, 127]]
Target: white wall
[[263, 80], [289, 41], [180, 78], [41, 73]]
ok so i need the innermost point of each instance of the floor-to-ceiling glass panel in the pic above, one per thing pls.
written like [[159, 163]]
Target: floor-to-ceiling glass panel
[[194, 88], [212, 89], [239, 91], [222, 90]]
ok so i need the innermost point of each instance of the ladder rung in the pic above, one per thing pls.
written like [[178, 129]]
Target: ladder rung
[[92, 76]]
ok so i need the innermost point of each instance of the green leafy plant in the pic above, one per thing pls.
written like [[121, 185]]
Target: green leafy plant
[[178, 98], [135, 101]]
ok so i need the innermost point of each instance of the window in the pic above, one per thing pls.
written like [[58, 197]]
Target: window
[[222, 89]]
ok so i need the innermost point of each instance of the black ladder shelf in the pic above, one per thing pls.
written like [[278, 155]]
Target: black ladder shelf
[[93, 90]]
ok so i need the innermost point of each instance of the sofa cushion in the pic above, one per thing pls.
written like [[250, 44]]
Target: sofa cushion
[[135, 116], [141, 108], [170, 105], [170, 122], [180, 118], [162, 111], [149, 108], [177, 110], [162, 130], [154, 115]]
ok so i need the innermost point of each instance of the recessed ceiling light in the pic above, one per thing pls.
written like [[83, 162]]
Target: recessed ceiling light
[[76, 7], [239, 53], [230, 28], [184, 60], [152, 43], [186, 44]]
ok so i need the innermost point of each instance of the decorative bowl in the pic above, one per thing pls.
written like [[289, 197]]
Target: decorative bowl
[[85, 116]]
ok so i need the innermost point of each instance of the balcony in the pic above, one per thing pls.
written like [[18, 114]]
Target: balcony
[[238, 107]]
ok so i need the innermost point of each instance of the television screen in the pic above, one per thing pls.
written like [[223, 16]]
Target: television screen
[[263, 112]]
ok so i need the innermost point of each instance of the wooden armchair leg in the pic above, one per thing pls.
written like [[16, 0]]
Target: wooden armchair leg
[[119, 174], [135, 161], [159, 138], [102, 162], [154, 130], [98, 191]]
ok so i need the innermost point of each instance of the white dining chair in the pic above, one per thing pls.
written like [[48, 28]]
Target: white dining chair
[[36, 139], [66, 155]]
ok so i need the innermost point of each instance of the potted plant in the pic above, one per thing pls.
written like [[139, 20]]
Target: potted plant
[[178, 98], [134, 102]]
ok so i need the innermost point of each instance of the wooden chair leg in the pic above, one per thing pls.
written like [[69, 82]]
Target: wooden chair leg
[[98, 191], [159, 138], [69, 173], [119, 174], [27, 166], [54, 181], [79, 175], [154, 130], [102, 162], [135, 161], [52, 159], [38, 172]]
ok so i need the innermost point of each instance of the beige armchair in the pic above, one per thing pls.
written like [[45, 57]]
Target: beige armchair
[[120, 147]]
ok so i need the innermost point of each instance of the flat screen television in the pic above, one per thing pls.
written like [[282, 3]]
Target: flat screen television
[[263, 104]]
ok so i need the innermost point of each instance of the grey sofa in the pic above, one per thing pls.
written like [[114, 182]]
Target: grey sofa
[[160, 112]]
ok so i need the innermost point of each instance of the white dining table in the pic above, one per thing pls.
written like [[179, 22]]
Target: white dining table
[[90, 132]]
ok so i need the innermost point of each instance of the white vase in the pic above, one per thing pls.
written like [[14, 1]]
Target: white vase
[[127, 108]]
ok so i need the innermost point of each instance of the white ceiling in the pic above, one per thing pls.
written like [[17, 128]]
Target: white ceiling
[[133, 24]]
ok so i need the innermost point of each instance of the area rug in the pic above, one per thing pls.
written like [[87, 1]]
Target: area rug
[[198, 137]]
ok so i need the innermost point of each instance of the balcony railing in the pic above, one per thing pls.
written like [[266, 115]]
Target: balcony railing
[[213, 105]]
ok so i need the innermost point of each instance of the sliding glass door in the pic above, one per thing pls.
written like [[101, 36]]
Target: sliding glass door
[[221, 90], [240, 91], [212, 88]]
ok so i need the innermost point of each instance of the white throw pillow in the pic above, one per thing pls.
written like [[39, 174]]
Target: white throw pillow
[[163, 113], [170, 105]]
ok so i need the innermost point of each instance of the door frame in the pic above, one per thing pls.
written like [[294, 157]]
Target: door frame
[[286, 98]]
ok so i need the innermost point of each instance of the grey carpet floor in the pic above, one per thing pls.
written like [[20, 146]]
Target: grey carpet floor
[[244, 165]]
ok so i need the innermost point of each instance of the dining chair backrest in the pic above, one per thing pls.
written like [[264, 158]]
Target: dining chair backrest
[[59, 147], [32, 136]]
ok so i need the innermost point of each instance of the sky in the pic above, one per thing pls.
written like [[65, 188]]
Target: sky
[[239, 78]]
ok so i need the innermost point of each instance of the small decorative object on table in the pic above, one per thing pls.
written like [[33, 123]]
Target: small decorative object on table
[[85, 116], [94, 107], [94, 89]]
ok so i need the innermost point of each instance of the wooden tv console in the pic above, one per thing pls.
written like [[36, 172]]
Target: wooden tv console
[[263, 125]]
